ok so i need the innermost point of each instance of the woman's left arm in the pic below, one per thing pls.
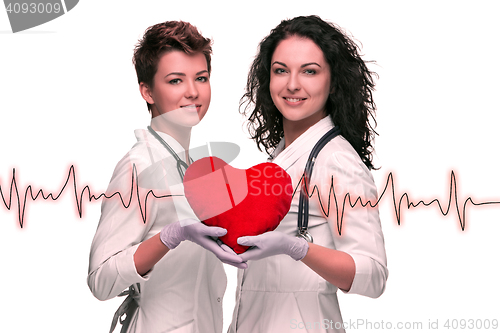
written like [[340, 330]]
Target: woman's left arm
[[357, 264], [334, 266], [356, 231], [356, 273]]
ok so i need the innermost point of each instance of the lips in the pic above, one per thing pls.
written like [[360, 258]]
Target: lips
[[294, 100], [191, 107]]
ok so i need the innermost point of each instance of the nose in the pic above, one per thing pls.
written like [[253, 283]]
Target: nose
[[293, 83], [191, 91]]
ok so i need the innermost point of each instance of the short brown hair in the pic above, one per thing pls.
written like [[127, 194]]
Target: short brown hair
[[165, 37]]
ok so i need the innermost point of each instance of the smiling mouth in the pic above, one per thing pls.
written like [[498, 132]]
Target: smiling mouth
[[193, 106], [294, 100]]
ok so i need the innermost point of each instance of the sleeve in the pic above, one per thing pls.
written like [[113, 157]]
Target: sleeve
[[356, 230], [120, 231]]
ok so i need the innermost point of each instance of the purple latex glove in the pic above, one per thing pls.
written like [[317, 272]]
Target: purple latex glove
[[173, 234], [272, 243]]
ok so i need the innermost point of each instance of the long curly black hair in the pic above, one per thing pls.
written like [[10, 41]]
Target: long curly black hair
[[350, 105]]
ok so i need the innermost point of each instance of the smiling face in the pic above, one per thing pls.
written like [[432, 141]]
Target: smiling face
[[181, 90], [300, 82]]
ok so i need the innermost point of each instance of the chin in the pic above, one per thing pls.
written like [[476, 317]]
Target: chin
[[186, 123], [193, 124], [190, 120], [181, 118]]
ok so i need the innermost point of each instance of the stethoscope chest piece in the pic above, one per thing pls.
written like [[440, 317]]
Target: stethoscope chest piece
[[306, 235]]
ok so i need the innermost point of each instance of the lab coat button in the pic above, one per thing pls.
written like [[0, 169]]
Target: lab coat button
[[218, 299]]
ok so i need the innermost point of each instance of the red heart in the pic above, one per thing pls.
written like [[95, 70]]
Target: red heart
[[245, 202]]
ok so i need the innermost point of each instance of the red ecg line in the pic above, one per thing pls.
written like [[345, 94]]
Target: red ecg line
[[21, 208], [453, 198], [389, 188]]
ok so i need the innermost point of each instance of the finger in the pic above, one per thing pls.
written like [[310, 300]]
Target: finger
[[213, 231], [242, 265], [220, 252], [226, 248], [251, 254], [231, 251], [246, 241], [225, 256]]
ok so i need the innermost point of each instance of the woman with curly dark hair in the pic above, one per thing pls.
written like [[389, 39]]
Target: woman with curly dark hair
[[307, 83]]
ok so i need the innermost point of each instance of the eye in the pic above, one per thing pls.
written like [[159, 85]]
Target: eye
[[279, 70], [202, 79], [310, 71], [175, 81]]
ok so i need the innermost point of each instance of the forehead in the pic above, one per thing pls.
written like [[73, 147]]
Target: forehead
[[296, 49], [179, 61]]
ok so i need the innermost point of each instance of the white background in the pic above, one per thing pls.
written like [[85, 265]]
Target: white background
[[69, 96]]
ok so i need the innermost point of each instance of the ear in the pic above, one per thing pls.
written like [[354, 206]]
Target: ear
[[146, 93]]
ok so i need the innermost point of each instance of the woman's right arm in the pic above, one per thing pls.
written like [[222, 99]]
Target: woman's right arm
[[122, 253], [149, 253], [152, 250], [119, 235]]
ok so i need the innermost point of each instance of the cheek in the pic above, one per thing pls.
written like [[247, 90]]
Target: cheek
[[167, 92], [274, 89], [324, 89], [206, 91]]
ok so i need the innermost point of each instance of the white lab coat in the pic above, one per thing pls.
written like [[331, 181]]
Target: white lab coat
[[279, 294], [183, 292]]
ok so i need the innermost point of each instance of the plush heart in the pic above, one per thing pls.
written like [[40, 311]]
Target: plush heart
[[245, 202]]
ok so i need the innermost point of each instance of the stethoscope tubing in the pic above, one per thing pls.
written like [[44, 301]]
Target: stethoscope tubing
[[180, 163], [303, 214]]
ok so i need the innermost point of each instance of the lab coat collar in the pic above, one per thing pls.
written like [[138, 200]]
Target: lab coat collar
[[143, 135], [302, 145]]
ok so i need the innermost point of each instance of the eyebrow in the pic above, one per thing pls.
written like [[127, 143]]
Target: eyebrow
[[183, 74], [301, 66]]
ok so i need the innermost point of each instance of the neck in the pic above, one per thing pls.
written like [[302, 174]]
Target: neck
[[179, 133], [293, 129]]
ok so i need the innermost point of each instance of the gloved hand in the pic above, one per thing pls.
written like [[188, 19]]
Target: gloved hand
[[173, 234], [272, 243]]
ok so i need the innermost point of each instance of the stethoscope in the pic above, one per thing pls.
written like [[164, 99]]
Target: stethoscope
[[303, 218], [180, 163]]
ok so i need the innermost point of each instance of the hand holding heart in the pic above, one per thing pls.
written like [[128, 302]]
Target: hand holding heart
[[244, 202], [272, 243], [173, 234]]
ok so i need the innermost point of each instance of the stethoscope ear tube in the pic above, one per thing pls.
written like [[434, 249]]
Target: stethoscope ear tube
[[303, 214], [181, 165]]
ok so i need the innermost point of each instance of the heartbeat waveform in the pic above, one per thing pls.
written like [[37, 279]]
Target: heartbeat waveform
[[21, 208], [134, 188], [453, 197]]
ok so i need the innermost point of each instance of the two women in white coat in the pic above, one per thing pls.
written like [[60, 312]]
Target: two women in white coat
[[307, 78]]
